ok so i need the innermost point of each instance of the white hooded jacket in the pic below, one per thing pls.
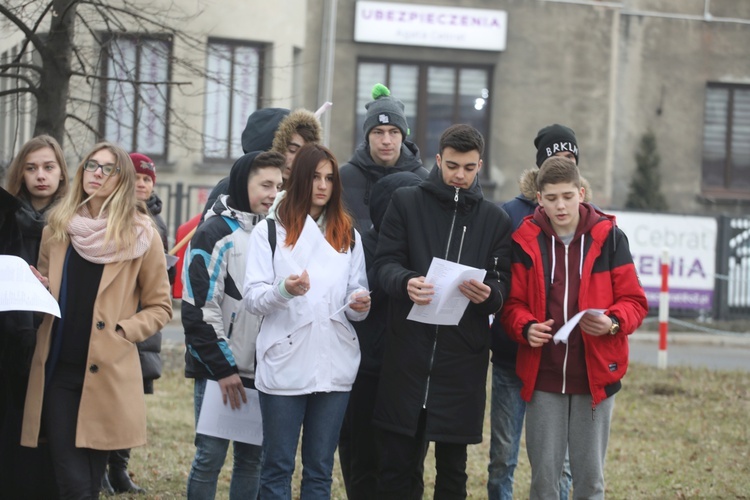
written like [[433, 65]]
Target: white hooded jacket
[[306, 344]]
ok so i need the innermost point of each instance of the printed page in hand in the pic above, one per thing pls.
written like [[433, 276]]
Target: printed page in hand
[[448, 304]]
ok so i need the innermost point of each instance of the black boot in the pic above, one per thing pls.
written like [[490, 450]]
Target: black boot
[[106, 487], [118, 473]]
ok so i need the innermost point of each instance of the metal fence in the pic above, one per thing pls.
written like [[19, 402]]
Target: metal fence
[[180, 203], [732, 293]]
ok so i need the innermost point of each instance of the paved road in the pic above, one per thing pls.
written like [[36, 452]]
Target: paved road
[[699, 350], [710, 351]]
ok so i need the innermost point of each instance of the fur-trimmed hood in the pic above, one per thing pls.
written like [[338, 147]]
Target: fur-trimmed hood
[[299, 118], [527, 183]]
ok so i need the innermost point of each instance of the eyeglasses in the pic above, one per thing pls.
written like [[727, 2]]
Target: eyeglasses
[[108, 169]]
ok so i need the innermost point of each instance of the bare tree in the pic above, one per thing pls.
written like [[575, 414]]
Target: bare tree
[[70, 62]]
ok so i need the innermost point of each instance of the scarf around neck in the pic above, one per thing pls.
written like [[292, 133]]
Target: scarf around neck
[[87, 235]]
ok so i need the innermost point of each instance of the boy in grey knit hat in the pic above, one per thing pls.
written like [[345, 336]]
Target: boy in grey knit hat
[[384, 151], [385, 110]]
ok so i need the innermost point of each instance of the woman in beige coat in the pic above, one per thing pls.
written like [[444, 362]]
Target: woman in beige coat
[[100, 257]]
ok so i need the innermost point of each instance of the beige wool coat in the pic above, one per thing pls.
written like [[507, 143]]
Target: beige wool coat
[[112, 413]]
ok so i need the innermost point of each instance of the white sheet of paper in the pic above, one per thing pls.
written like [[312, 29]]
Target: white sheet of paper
[[564, 332], [171, 261], [217, 419], [448, 304], [346, 305], [20, 290]]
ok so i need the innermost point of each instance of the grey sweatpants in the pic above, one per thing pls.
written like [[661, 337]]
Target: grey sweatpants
[[556, 422]]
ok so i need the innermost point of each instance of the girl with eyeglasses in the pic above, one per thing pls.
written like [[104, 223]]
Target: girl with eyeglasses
[[308, 281], [37, 177], [101, 259]]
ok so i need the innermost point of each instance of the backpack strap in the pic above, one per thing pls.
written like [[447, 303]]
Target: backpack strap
[[272, 235]]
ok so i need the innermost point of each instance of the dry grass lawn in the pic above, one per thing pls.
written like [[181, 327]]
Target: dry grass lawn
[[680, 433]]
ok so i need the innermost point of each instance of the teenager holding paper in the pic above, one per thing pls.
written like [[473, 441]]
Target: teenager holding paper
[[569, 257], [220, 334], [432, 384], [307, 351]]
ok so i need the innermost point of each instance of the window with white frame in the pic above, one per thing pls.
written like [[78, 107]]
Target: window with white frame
[[435, 96], [726, 141], [135, 101], [233, 88]]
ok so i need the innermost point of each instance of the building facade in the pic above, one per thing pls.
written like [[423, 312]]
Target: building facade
[[611, 70]]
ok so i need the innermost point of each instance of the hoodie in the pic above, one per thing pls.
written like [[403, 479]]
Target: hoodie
[[563, 366], [361, 173], [258, 136], [503, 348], [598, 274]]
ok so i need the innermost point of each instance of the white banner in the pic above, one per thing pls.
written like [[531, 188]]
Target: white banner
[[691, 242], [430, 26]]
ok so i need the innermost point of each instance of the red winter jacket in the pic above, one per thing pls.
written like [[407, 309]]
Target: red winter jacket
[[608, 281]]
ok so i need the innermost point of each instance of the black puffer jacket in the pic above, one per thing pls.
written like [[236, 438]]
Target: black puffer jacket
[[149, 350], [17, 332], [19, 327], [443, 368], [371, 330], [361, 173]]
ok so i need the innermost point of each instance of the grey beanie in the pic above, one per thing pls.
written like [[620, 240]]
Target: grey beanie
[[385, 110]]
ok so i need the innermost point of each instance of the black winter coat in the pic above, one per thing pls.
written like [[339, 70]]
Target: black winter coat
[[149, 351], [360, 174], [440, 368]]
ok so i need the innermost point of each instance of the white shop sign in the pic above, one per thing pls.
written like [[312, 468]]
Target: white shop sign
[[430, 26]]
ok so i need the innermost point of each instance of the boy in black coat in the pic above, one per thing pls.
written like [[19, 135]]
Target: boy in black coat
[[432, 384]]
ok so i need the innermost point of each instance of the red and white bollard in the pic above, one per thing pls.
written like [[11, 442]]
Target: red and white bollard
[[663, 310]]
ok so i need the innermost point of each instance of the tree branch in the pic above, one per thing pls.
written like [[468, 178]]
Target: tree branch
[[24, 90], [31, 36]]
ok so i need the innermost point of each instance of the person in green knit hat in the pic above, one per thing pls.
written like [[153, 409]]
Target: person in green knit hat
[[384, 151]]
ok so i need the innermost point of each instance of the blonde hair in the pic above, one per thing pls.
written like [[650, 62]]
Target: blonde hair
[[15, 183], [121, 207]]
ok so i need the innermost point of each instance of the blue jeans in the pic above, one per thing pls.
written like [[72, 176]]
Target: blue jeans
[[319, 415], [506, 418], [507, 410], [210, 453]]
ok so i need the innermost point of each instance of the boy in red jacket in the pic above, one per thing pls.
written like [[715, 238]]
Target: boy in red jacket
[[570, 257]]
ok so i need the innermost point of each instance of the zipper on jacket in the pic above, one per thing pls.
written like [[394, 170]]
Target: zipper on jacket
[[461, 245], [231, 326], [434, 342]]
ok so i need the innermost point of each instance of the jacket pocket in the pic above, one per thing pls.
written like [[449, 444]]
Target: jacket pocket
[[345, 354], [288, 363]]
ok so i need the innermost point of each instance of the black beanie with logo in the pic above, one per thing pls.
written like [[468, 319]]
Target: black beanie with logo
[[554, 139]]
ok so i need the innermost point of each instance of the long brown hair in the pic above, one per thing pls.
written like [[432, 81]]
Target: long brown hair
[[15, 184], [295, 206]]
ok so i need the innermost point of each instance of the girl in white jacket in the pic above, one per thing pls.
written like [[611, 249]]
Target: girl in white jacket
[[308, 282]]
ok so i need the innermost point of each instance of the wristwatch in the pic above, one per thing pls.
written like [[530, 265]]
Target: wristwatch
[[615, 324]]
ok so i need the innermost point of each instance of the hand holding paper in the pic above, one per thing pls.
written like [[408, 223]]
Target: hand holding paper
[[441, 298], [420, 292], [564, 332], [538, 333]]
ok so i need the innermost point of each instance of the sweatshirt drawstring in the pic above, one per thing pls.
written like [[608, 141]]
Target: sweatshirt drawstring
[[554, 261], [580, 264]]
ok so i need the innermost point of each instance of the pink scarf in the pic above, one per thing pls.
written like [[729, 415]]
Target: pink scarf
[[87, 237]]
